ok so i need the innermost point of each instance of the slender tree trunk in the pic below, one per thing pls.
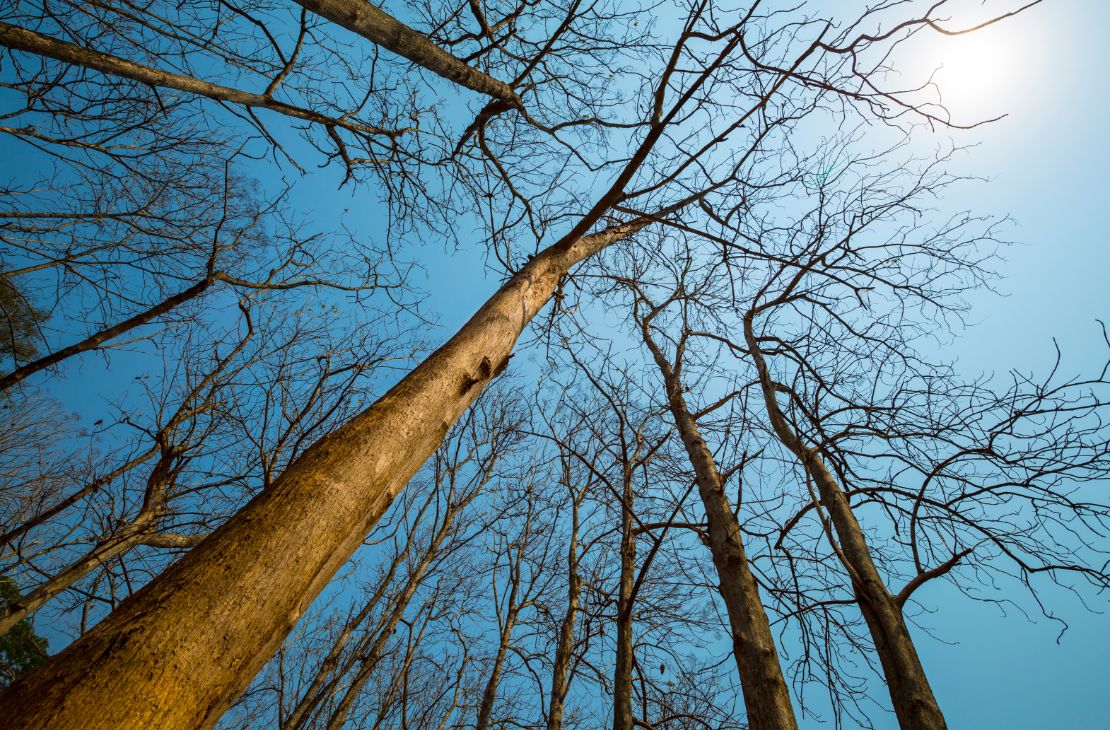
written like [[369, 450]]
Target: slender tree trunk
[[766, 696], [564, 647], [370, 22], [622, 666], [369, 661], [489, 695], [177, 653], [108, 333], [140, 531], [92, 487], [312, 697], [28, 40], [910, 693]]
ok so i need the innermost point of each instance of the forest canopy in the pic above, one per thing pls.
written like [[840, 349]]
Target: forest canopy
[[695, 455]]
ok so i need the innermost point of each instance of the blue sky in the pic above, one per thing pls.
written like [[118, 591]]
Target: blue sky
[[1048, 163]]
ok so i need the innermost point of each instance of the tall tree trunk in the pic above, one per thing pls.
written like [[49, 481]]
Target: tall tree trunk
[[177, 653], [370, 22], [622, 666], [910, 693], [489, 694], [564, 647], [766, 696]]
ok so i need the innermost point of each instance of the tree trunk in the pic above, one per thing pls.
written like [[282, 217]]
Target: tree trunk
[[766, 696], [489, 695], [910, 692], [178, 652], [622, 667], [368, 21], [564, 648]]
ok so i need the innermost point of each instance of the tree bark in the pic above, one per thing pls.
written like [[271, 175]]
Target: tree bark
[[564, 647], [178, 652], [622, 666], [766, 696], [910, 693], [368, 21]]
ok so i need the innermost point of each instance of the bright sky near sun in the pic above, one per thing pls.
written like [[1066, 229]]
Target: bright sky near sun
[[980, 75], [1047, 164]]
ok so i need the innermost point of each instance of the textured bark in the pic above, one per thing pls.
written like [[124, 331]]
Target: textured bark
[[489, 694], [178, 652], [370, 22], [564, 647], [622, 666], [766, 696], [28, 40], [910, 693]]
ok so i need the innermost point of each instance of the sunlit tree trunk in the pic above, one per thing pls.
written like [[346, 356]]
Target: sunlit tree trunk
[[766, 696], [622, 666], [370, 22], [910, 692], [564, 647], [178, 652]]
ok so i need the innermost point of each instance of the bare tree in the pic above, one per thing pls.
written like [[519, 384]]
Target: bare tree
[[722, 75], [766, 696]]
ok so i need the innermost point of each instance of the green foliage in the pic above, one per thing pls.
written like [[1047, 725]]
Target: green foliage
[[21, 649]]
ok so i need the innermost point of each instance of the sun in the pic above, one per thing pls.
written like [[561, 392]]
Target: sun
[[991, 72], [976, 75]]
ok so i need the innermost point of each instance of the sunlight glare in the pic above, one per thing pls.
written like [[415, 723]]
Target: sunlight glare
[[976, 75]]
